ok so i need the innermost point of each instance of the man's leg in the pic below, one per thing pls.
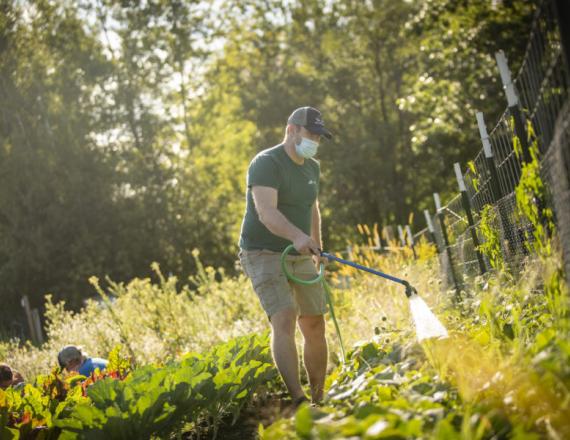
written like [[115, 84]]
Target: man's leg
[[285, 351], [315, 352]]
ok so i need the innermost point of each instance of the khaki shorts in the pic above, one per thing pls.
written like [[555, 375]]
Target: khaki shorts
[[275, 291]]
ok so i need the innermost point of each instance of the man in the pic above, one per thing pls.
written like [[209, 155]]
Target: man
[[282, 208], [73, 359]]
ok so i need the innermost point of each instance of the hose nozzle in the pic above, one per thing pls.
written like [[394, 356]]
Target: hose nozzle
[[410, 290]]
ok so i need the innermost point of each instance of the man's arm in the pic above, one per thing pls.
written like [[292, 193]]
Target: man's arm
[[265, 199], [17, 378], [316, 233], [316, 224]]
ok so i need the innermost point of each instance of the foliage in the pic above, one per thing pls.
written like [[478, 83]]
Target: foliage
[[154, 322], [125, 138], [379, 393], [531, 199], [124, 120], [150, 400], [502, 373], [92, 156], [491, 245], [532, 204]]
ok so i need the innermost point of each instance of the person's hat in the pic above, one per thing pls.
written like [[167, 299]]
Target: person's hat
[[6, 374], [311, 119], [68, 353]]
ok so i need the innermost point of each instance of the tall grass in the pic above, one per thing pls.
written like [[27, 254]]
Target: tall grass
[[155, 320]]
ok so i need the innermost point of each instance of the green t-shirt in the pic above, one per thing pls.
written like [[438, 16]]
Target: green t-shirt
[[297, 189]]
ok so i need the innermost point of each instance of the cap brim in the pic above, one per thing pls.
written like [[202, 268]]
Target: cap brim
[[319, 129]]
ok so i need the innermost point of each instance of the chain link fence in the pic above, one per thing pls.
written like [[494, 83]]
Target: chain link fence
[[556, 171]]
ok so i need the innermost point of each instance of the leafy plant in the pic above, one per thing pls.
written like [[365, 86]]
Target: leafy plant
[[491, 244], [153, 400], [531, 197]]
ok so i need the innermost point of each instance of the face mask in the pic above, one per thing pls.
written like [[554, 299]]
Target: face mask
[[306, 148]]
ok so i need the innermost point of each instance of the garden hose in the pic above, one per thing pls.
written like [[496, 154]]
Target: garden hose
[[328, 294]]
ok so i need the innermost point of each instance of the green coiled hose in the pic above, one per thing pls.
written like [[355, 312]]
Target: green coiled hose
[[328, 295]]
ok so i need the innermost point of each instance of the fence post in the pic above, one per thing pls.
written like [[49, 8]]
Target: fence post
[[377, 239], [411, 240], [467, 208], [26, 305], [562, 12], [513, 103], [431, 229], [349, 252], [496, 193], [440, 216], [38, 325], [388, 233], [401, 236]]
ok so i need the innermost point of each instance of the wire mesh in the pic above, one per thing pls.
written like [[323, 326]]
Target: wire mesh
[[446, 262], [423, 236], [461, 247], [544, 78], [543, 88], [555, 170], [516, 233], [478, 182], [507, 160]]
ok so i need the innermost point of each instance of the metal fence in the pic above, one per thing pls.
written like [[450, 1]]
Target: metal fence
[[537, 100]]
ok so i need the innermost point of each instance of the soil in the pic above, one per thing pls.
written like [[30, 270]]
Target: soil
[[263, 410]]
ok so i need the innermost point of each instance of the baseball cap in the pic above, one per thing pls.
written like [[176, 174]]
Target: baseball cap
[[311, 119]]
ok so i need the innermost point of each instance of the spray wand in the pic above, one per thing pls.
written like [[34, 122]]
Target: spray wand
[[426, 324], [409, 289]]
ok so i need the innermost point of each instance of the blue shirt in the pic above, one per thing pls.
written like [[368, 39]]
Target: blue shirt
[[91, 364]]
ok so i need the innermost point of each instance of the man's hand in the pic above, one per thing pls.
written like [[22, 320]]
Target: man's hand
[[306, 245], [318, 260]]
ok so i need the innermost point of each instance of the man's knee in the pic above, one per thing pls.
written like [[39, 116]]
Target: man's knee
[[312, 326]]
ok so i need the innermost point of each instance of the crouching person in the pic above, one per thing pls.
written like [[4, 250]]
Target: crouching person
[[10, 377], [72, 358]]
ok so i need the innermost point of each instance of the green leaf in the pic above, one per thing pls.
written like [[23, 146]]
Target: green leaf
[[304, 421]]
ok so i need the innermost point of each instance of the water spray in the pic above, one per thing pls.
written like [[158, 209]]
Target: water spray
[[425, 322]]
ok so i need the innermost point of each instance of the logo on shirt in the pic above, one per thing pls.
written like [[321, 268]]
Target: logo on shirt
[[312, 182]]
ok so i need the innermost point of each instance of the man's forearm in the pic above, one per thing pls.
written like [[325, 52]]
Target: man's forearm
[[278, 224], [316, 227]]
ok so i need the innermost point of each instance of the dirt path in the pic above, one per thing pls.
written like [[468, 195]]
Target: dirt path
[[265, 411]]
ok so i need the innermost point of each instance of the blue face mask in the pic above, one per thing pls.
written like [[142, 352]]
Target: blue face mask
[[306, 148]]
